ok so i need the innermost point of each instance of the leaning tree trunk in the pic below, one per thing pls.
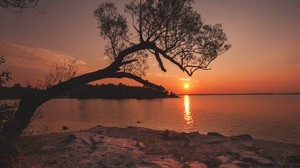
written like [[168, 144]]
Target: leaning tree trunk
[[31, 101]]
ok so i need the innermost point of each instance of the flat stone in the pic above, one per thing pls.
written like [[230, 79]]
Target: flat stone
[[215, 141], [215, 134], [228, 165], [241, 164], [251, 157], [242, 137], [140, 145], [197, 165], [116, 160], [293, 158], [69, 138], [223, 159], [233, 153], [294, 166]]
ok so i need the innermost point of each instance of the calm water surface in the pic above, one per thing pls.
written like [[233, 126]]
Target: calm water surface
[[272, 117]]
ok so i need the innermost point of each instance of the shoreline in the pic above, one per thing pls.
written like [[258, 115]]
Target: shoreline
[[142, 147]]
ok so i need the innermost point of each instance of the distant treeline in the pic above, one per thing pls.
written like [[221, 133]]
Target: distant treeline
[[104, 91]]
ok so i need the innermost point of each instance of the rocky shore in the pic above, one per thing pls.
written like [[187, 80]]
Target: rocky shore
[[141, 147]]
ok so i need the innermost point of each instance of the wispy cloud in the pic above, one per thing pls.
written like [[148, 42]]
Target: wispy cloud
[[161, 75], [30, 63], [185, 79]]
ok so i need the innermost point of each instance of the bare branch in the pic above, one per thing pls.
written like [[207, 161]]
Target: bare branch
[[160, 62]]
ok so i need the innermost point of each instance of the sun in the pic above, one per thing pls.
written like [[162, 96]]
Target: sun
[[186, 86]]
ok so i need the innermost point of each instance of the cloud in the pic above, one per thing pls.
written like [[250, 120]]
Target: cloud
[[30, 63], [190, 80], [161, 75], [29, 57], [185, 79]]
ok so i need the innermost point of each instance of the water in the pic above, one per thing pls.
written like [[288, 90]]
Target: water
[[272, 117]]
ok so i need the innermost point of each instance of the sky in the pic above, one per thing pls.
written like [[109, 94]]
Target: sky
[[265, 38]]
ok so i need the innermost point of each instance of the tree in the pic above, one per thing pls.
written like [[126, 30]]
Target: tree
[[170, 29], [59, 72], [5, 75], [17, 6], [6, 109]]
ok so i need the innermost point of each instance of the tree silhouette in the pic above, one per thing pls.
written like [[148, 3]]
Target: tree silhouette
[[165, 29], [59, 72], [17, 6], [5, 75]]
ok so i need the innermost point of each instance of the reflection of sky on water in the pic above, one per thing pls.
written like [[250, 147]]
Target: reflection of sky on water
[[272, 117], [187, 113]]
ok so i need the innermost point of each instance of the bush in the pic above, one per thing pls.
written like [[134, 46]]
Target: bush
[[7, 112]]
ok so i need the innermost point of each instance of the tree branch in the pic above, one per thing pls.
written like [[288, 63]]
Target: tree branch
[[161, 65], [138, 79], [129, 61]]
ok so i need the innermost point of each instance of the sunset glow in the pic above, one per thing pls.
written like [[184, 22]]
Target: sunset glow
[[260, 60], [150, 83], [187, 112], [186, 86]]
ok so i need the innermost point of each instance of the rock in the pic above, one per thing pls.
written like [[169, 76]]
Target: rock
[[233, 154], [294, 166], [123, 147], [242, 164], [293, 158], [216, 134], [242, 137], [69, 138], [214, 141], [140, 145], [197, 165], [65, 128], [116, 160], [251, 157], [228, 165], [51, 161], [223, 159], [166, 162], [165, 134], [171, 135]]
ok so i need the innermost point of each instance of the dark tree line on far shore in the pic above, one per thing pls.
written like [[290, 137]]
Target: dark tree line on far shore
[[103, 91]]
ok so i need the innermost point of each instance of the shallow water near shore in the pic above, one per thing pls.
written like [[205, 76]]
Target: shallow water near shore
[[270, 117]]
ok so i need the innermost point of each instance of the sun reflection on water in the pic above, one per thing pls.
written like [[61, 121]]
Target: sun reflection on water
[[187, 112]]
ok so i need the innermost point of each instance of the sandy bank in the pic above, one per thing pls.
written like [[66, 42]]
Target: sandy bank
[[141, 147]]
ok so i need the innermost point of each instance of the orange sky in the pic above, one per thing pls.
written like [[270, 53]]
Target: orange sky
[[265, 56]]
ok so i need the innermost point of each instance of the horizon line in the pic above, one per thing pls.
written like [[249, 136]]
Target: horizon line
[[263, 93]]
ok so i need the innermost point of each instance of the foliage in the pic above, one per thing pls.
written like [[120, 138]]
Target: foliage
[[59, 72], [5, 75], [114, 28], [15, 92], [175, 29], [7, 112], [121, 91], [17, 6], [104, 91]]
